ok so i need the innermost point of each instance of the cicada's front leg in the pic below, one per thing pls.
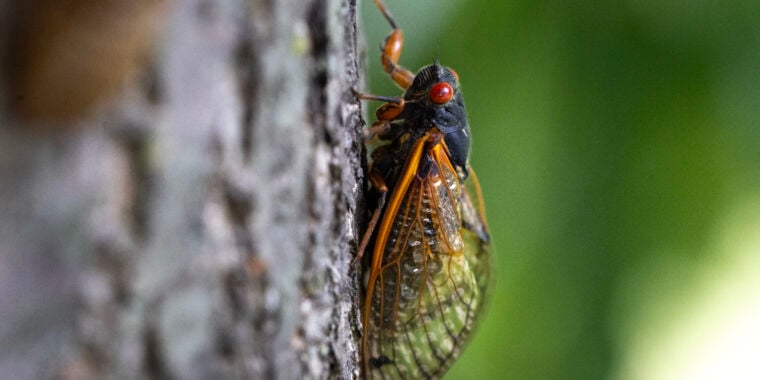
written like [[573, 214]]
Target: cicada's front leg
[[390, 51]]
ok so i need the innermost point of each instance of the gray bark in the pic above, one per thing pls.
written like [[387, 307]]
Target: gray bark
[[200, 222]]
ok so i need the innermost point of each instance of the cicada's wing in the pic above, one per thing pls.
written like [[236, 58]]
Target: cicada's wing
[[423, 293], [477, 240]]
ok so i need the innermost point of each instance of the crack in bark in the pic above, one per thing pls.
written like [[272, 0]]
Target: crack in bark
[[153, 357], [247, 69], [319, 43], [137, 144]]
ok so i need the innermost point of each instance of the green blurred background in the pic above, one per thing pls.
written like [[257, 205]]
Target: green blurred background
[[618, 144]]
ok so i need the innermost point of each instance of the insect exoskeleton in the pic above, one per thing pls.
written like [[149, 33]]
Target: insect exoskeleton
[[428, 266]]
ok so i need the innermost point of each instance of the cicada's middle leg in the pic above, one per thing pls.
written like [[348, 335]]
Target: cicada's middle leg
[[386, 113], [390, 51]]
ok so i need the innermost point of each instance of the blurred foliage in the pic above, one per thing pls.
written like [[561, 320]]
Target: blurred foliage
[[614, 141]]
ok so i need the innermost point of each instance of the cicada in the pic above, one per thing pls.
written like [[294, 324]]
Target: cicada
[[429, 265]]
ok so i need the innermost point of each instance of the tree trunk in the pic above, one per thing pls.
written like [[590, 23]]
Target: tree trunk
[[199, 221]]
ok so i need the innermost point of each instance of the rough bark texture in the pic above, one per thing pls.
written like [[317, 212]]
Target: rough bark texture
[[201, 223]]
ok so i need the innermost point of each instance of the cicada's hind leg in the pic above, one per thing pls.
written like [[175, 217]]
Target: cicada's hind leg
[[390, 51], [378, 183]]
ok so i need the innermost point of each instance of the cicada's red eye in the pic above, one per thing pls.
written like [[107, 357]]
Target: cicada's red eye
[[441, 93]]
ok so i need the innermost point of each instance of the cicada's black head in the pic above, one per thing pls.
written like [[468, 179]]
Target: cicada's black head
[[434, 100]]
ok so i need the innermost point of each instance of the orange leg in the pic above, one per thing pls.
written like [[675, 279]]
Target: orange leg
[[390, 51], [389, 110]]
